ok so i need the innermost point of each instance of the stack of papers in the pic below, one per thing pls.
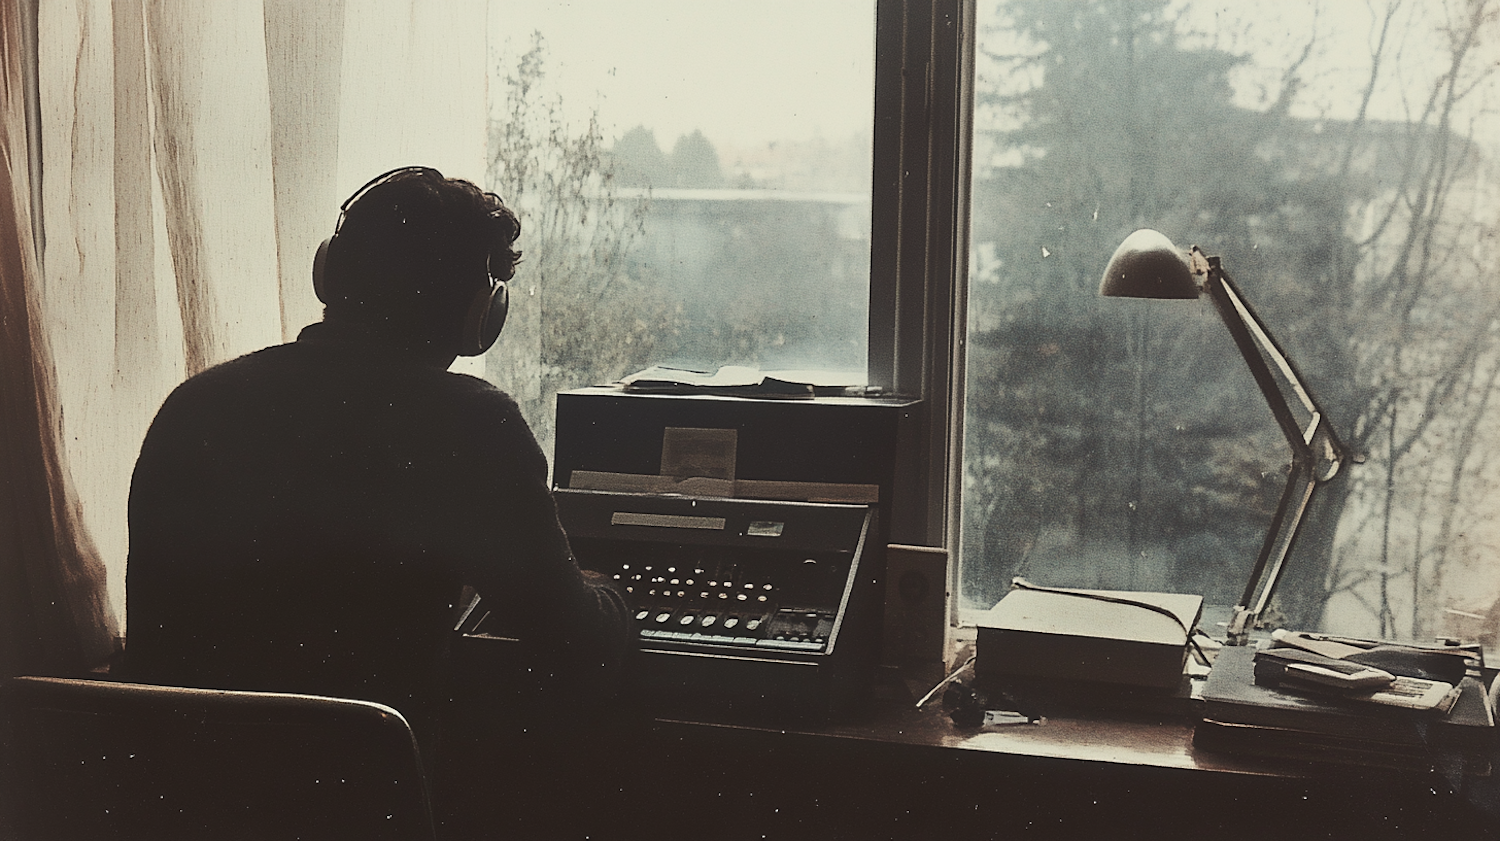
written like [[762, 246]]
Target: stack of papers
[[741, 381]]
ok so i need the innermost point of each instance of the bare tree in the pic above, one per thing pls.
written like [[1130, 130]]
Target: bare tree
[[578, 316], [1414, 311]]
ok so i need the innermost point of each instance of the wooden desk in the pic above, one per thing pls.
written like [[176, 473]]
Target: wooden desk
[[897, 772]]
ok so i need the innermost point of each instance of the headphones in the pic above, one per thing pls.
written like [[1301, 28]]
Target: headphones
[[485, 315]]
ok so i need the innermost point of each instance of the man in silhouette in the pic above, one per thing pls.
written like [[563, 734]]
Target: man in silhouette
[[306, 517]]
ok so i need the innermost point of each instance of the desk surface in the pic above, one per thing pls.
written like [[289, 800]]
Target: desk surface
[[894, 771], [1154, 741]]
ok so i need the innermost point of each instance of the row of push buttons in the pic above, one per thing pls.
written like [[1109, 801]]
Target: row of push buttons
[[707, 620], [669, 582], [725, 639], [711, 628]]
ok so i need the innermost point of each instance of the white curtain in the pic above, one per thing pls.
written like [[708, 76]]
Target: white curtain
[[193, 156], [54, 618]]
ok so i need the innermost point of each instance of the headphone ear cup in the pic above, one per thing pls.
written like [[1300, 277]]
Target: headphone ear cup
[[484, 320], [320, 270]]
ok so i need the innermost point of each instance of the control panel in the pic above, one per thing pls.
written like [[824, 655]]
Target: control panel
[[736, 596], [745, 599]]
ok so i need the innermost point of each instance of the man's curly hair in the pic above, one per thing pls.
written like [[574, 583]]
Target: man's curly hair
[[413, 251]]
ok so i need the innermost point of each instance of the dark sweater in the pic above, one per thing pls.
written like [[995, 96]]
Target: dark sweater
[[304, 518]]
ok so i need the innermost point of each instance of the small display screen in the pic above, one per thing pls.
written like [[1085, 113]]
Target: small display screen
[[765, 528]]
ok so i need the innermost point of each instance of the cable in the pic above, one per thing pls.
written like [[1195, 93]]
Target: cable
[[952, 676], [1019, 583]]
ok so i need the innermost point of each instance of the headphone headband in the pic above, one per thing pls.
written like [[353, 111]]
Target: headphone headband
[[396, 174]]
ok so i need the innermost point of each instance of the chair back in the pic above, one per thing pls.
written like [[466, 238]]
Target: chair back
[[103, 759]]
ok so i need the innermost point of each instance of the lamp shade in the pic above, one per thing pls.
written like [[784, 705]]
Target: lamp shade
[[1148, 265]]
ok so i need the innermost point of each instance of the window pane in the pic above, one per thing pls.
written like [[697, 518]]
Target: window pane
[[694, 185], [1338, 163]]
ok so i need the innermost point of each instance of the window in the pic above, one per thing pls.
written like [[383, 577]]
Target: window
[[1334, 156], [694, 184]]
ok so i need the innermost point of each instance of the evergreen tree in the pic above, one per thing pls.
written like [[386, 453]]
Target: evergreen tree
[[695, 162], [1115, 438], [639, 162]]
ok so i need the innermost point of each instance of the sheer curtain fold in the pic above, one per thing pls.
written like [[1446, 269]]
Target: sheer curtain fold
[[176, 34], [304, 65], [54, 614], [194, 155]]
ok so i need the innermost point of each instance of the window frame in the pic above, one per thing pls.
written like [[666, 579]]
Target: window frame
[[924, 68]]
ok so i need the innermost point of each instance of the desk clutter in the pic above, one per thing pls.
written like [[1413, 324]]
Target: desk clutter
[[1315, 698], [1306, 698]]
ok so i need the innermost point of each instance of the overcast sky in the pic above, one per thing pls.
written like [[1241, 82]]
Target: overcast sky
[[742, 72], [752, 72]]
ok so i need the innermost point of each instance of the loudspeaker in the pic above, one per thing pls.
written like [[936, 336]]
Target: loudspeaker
[[916, 605]]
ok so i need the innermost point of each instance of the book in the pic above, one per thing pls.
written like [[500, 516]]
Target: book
[[1096, 636], [1232, 696], [1305, 746]]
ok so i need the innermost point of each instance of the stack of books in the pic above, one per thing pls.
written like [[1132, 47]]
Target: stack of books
[[1288, 702]]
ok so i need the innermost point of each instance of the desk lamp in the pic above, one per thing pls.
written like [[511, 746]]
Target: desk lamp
[[1148, 265]]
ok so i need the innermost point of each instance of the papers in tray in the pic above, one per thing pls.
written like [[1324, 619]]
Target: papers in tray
[[740, 381]]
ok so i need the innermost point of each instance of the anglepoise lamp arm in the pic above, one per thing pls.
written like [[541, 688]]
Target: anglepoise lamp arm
[[1147, 265], [1317, 452]]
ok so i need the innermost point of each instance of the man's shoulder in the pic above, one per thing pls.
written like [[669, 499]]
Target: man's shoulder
[[295, 378], [480, 394], [233, 374], [295, 360]]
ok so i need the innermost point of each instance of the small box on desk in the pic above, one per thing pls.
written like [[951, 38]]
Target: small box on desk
[[1093, 636]]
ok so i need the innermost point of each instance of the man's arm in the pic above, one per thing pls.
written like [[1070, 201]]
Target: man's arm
[[516, 554]]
